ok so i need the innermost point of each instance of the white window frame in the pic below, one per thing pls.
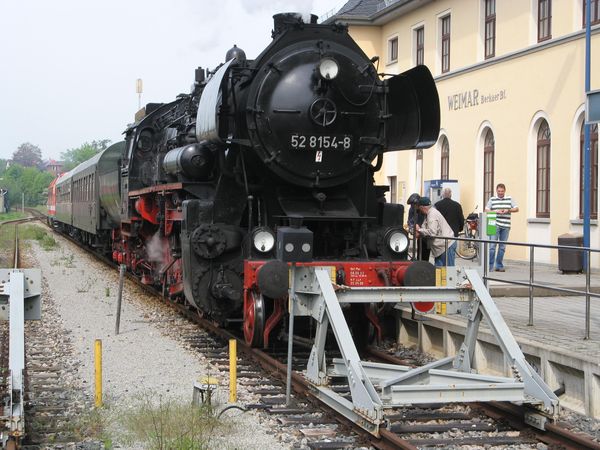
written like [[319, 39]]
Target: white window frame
[[438, 43], [413, 33], [389, 49]]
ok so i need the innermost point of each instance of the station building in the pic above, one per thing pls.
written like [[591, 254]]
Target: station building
[[510, 76]]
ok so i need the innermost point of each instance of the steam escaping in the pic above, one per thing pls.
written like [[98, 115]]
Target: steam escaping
[[303, 7], [154, 248]]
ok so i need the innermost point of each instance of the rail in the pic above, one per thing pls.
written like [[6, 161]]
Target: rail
[[20, 297], [531, 284]]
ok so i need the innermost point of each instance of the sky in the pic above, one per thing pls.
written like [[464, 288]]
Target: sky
[[68, 68]]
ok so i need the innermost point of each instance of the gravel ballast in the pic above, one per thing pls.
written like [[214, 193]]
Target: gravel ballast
[[144, 361]]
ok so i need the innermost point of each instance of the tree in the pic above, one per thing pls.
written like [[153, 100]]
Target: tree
[[76, 156], [30, 181], [28, 155]]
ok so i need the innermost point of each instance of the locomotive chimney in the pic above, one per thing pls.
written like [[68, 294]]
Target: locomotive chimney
[[283, 21]]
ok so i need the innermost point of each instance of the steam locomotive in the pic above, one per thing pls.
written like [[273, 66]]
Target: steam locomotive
[[199, 197]]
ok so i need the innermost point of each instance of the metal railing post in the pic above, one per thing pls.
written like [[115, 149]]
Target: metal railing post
[[531, 259], [587, 294], [446, 253], [485, 258]]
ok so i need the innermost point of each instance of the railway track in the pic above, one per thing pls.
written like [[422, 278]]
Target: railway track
[[51, 403], [489, 424]]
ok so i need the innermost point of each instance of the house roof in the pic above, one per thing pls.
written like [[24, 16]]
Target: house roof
[[374, 12]]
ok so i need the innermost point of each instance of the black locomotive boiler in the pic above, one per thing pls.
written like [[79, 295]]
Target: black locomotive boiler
[[289, 139]]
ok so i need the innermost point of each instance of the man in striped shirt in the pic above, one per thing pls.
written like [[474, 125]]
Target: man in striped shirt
[[503, 205]]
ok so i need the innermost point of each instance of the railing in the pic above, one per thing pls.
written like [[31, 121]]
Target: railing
[[483, 260]]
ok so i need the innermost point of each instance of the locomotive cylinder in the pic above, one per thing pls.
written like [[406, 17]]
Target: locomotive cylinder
[[194, 161]]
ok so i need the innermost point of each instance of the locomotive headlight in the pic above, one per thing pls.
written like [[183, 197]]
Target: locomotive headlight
[[328, 68], [397, 240], [263, 240]]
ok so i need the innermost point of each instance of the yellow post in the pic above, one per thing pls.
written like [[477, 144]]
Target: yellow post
[[98, 354], [440, 280], [232, 371]]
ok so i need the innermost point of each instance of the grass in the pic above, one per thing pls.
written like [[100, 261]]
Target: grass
[[13, 215], [160, 424], [89, 425], [33, 232]]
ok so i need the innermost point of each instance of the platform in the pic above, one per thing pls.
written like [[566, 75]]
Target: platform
[[554, 345]]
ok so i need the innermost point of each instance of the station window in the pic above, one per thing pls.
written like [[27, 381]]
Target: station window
[[420, 46], [488, 165], [419, 170], [393, 189], [445, 160], [594, 11], [393, 50], [594, 171], [544, 20], [490, 28], [445, 53], [542, 189]]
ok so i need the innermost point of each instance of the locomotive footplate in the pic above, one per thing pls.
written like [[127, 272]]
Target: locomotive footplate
[[375, 386]]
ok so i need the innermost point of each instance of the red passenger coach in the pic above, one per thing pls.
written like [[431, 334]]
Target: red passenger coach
[[51, 204]]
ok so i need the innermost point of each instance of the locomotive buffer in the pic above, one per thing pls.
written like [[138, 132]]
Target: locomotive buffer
[[375, 386]]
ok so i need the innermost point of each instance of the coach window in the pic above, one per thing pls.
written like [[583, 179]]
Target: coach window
[[445, 53], [594, 171], [490, 28], [419, 46], [542, 190], [594, 11], [488, 166], [393, 50], [445, 159], [544, 20]]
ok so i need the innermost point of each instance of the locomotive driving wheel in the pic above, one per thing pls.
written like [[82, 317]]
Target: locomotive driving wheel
[[254, 319]]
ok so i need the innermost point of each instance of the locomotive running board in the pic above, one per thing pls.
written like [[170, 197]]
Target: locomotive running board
[[375, 386]]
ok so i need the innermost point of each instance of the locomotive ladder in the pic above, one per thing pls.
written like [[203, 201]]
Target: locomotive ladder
[[375, 386], [20, 300]]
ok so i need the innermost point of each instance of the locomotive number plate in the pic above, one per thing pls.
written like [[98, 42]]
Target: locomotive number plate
[[321, 142]]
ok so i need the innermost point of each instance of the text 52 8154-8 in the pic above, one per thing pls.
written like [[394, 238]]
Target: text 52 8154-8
[[320, 142]]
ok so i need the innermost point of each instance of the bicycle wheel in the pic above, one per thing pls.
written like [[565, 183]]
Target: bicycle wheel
[[466, 249]]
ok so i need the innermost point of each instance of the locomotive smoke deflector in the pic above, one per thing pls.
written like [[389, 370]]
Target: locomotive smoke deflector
[[413, 106], [207, 121]]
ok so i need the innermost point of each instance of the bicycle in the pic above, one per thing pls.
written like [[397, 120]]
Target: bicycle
[[469, 249]]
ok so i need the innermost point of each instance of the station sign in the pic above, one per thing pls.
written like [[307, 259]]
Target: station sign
[[592, 107]]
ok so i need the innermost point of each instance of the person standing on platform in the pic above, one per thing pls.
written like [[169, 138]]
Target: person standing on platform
[[434, 228], [415, 217], [453, 213], [503, 205]]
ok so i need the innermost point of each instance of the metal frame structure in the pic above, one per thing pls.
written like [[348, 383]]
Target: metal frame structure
[[20, 300], [375, 386]]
